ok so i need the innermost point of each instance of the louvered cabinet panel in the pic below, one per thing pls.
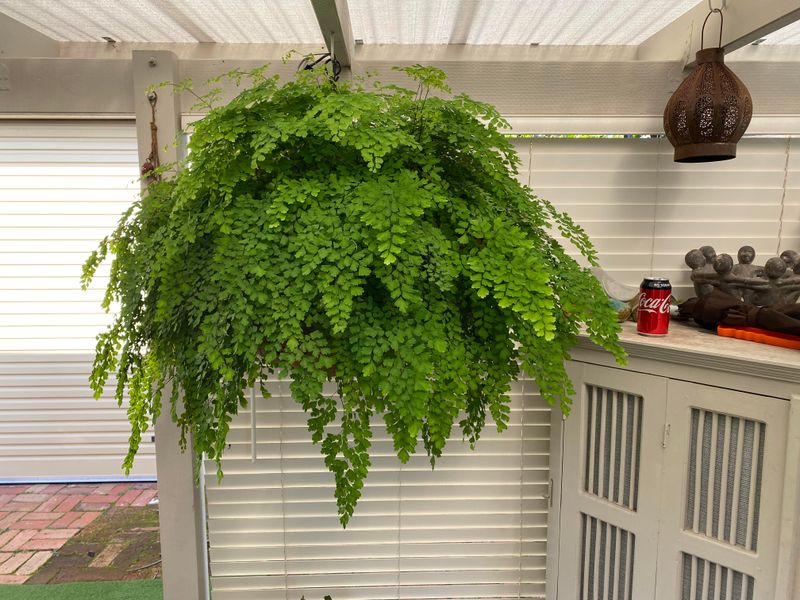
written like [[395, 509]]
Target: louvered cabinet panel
[[607, 553], [703, 579], [724, 469], [725, 476], [613, 445], [609, 490]]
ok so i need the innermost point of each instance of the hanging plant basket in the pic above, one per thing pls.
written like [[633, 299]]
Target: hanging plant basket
[[371, 235]]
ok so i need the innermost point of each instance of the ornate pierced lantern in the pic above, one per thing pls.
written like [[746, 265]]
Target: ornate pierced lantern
[[711, 109]]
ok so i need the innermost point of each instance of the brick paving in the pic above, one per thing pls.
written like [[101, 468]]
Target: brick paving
[[37, 520]]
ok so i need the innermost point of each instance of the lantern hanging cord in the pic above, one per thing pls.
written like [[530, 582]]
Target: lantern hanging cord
[[711, 11]]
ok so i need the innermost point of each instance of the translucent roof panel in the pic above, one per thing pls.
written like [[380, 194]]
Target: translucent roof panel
[[787, 36], [226, 21], [512, 22]]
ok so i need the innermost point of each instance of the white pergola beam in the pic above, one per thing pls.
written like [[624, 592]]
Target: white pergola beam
[[585, 84], [261, 53], [518, 89], [334, 23], [62, 87], [464, 54], [745, 21], [18, 40]]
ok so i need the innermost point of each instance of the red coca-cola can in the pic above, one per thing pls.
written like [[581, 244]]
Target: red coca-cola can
[[653, 318]]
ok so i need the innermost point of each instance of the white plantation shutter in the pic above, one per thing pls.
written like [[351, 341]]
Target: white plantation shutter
[[63, 186], [643, 211], [476, 527]]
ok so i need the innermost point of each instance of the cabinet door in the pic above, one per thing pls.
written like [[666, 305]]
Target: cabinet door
[[611, 485], [722, 495]]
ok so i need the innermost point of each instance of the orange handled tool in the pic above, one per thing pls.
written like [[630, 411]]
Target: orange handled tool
[[763, 336]]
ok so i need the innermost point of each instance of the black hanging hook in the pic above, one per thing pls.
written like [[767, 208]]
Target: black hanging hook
[[327, 58]]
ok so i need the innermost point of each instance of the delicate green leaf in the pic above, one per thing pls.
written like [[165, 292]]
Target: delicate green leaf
[[375, 237]]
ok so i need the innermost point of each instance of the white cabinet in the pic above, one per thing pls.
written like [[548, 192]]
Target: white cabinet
[[670, 486]]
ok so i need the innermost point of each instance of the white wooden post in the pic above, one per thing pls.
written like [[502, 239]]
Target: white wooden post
[[181, 503], [788, 586]]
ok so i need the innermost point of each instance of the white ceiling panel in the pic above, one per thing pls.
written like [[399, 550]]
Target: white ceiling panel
[[512, 22], [474, 22], [225, 21]]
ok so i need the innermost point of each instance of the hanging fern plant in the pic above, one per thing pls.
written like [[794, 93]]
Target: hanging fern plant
[[371, 235]]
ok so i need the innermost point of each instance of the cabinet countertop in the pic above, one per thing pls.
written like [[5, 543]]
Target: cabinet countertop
[[687, 344]]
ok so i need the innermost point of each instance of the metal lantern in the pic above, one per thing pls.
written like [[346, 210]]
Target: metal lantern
[[711, 109]]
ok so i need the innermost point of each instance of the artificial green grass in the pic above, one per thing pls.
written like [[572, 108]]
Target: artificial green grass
[[146, 589]]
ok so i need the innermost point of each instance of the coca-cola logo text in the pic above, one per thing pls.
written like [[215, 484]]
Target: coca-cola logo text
[[653, 305]]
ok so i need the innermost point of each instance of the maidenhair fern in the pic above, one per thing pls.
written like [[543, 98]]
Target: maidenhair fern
[[370, 235]]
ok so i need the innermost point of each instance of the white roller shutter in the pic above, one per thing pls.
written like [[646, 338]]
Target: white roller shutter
[[63, 186], [476, 527]]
